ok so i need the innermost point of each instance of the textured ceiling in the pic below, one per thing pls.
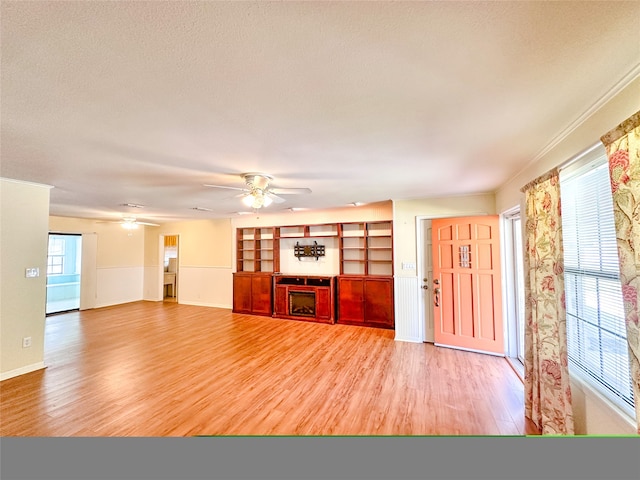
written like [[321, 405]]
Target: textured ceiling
[[144, 102]]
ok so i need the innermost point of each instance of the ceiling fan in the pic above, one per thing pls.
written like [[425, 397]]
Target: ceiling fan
[[258, 193], [131, 223]]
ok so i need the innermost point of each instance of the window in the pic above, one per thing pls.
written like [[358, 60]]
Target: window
[[596, 333], [55, 259]]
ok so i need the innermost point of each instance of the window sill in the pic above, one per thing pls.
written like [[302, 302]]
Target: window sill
[[591, 394]]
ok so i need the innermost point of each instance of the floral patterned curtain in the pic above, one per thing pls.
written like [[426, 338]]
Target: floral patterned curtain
[[547, 388], [623, 150]]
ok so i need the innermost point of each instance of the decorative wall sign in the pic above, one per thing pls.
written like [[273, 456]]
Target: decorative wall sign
[[314, 250]]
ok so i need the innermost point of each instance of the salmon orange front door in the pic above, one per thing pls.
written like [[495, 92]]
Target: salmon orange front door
[[467, 298]]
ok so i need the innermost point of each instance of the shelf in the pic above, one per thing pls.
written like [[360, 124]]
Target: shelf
[[256, 250], [365, 248], [293, 231], [379, 229], [327, 230], [265, 233], [353, 230], [353, 254]]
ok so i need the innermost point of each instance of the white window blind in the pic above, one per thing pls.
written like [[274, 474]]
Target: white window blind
[[596, 334]]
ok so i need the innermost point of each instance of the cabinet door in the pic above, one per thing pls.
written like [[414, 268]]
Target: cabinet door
[[280, 301], [261, 294], [378, 301], [242, 293], [323, 303], [350, 299]]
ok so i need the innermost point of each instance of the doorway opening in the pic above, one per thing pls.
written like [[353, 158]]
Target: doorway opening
[[64, 257], [170, 267]]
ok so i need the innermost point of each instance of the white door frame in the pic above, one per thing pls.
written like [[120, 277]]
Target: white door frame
[[510, 300]]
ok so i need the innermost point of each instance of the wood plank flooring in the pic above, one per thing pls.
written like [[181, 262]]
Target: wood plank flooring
[[163, 369]]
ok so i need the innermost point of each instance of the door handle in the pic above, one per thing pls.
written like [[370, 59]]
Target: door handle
[[436, 297]]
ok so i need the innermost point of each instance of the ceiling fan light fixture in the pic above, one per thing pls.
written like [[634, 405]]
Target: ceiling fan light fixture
[[249, 200], [258, 193], [257, 199], [129, 223]]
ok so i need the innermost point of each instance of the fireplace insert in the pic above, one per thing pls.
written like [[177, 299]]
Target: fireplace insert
[[302, 304]]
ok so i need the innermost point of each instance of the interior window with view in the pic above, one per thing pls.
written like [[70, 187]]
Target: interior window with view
[[596, 333]]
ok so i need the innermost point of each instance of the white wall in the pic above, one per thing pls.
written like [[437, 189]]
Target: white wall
[[206, 286], [119, 261], [327, 265], [24, 216], [572, 142], [204, 261]]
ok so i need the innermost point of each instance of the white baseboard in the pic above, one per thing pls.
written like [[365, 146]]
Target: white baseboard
[[201, 304], [408, 339], [22, 370]]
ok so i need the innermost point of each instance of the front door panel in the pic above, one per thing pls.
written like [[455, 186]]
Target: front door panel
[[467, 300]]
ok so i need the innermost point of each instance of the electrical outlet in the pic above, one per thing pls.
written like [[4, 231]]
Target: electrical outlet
[[26, 342]]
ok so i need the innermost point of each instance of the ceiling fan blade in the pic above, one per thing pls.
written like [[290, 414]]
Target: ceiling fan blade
[[289, 191], [275, 198], [226, 187], [147, 223]]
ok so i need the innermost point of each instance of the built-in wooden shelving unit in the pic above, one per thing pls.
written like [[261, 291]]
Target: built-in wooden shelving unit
[[364, 289]]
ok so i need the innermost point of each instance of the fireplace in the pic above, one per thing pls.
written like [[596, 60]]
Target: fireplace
[[302, 304], [304, 297]]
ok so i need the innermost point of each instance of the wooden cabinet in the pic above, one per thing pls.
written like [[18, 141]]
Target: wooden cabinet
[[366, 301], [252, 293], [308, 298], [364, 262]]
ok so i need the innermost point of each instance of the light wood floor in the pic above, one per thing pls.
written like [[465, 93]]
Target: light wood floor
[[164, 369]]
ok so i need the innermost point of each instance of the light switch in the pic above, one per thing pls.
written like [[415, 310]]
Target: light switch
[[32, 272], [408, 266]]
